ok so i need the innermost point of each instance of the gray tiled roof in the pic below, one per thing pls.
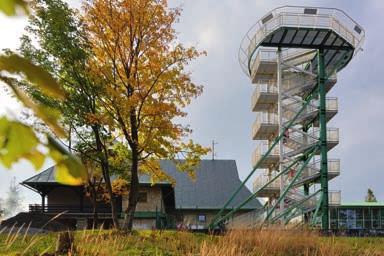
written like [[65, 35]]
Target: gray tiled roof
[[47, 176], [216, 181]]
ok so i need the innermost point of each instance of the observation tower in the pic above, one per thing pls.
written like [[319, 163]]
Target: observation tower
[[292, 56]]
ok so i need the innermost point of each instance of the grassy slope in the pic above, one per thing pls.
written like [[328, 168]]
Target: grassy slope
[[182, 243], [107, 243]]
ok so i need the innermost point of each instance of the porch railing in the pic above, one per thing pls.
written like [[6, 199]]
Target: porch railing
[[60, 208]]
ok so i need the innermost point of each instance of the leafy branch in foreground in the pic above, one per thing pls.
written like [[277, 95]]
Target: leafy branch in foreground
[[9, 7], [19, 141]]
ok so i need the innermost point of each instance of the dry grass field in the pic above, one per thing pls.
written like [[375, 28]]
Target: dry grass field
[[238, 243]]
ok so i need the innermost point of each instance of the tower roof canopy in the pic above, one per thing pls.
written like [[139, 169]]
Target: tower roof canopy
[[304, 27]]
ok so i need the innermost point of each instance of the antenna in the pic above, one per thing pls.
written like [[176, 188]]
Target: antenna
[[213, 149]]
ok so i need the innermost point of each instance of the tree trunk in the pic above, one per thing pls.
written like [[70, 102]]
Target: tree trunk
[[95, 218], [112, 200], [133, 193], [94, 202], [134, 184], [105, 169]]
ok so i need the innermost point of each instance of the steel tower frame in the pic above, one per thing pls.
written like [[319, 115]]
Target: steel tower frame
[[310, 44]]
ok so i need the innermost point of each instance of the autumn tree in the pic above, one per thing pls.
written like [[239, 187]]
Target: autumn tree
[[146, 86]]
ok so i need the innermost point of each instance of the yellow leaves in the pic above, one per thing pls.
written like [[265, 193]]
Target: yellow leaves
[[9, 6], [192, 154], [98, 119], [142, 70], [13, 63], [92, 118], [152, 168], [120, 186], [17, 141], [69, 169], [36, 158]]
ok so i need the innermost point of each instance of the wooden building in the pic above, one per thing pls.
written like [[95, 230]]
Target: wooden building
[[190, 204]]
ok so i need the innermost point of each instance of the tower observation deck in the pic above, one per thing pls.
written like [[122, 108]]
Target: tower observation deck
[[292, 56]]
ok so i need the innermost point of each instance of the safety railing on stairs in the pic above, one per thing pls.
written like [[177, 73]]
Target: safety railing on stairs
[[263, 179]]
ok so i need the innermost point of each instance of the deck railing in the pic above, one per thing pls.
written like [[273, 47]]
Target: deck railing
[[64, 208], [294, 16], [334, 197], [263, 179]]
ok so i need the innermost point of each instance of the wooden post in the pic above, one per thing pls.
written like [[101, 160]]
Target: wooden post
[[81, 201], [42, 202]]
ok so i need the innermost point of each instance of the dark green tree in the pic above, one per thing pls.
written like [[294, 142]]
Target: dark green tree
[[370, 197], [62, 49], [18, 140]]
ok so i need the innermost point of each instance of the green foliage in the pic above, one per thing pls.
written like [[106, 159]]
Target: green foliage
[[63, 51], [370, 197], [9, 6], [119, 159]]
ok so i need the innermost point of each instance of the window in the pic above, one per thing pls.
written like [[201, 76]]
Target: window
[[343, 218], [367, 218], [201, 218], [375, 218], [359, 218], [382, 218], [143, 197], [334, 219], [351, 218]]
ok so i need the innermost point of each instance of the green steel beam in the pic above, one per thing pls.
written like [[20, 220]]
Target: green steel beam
[[306, 192], [323, 141], [317, 209], [286, 212], [306, 185], [324, 172], [229, 214], [298, 173], [263, 157]]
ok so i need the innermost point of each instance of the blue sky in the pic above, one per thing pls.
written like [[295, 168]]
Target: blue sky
[[223, 112]]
